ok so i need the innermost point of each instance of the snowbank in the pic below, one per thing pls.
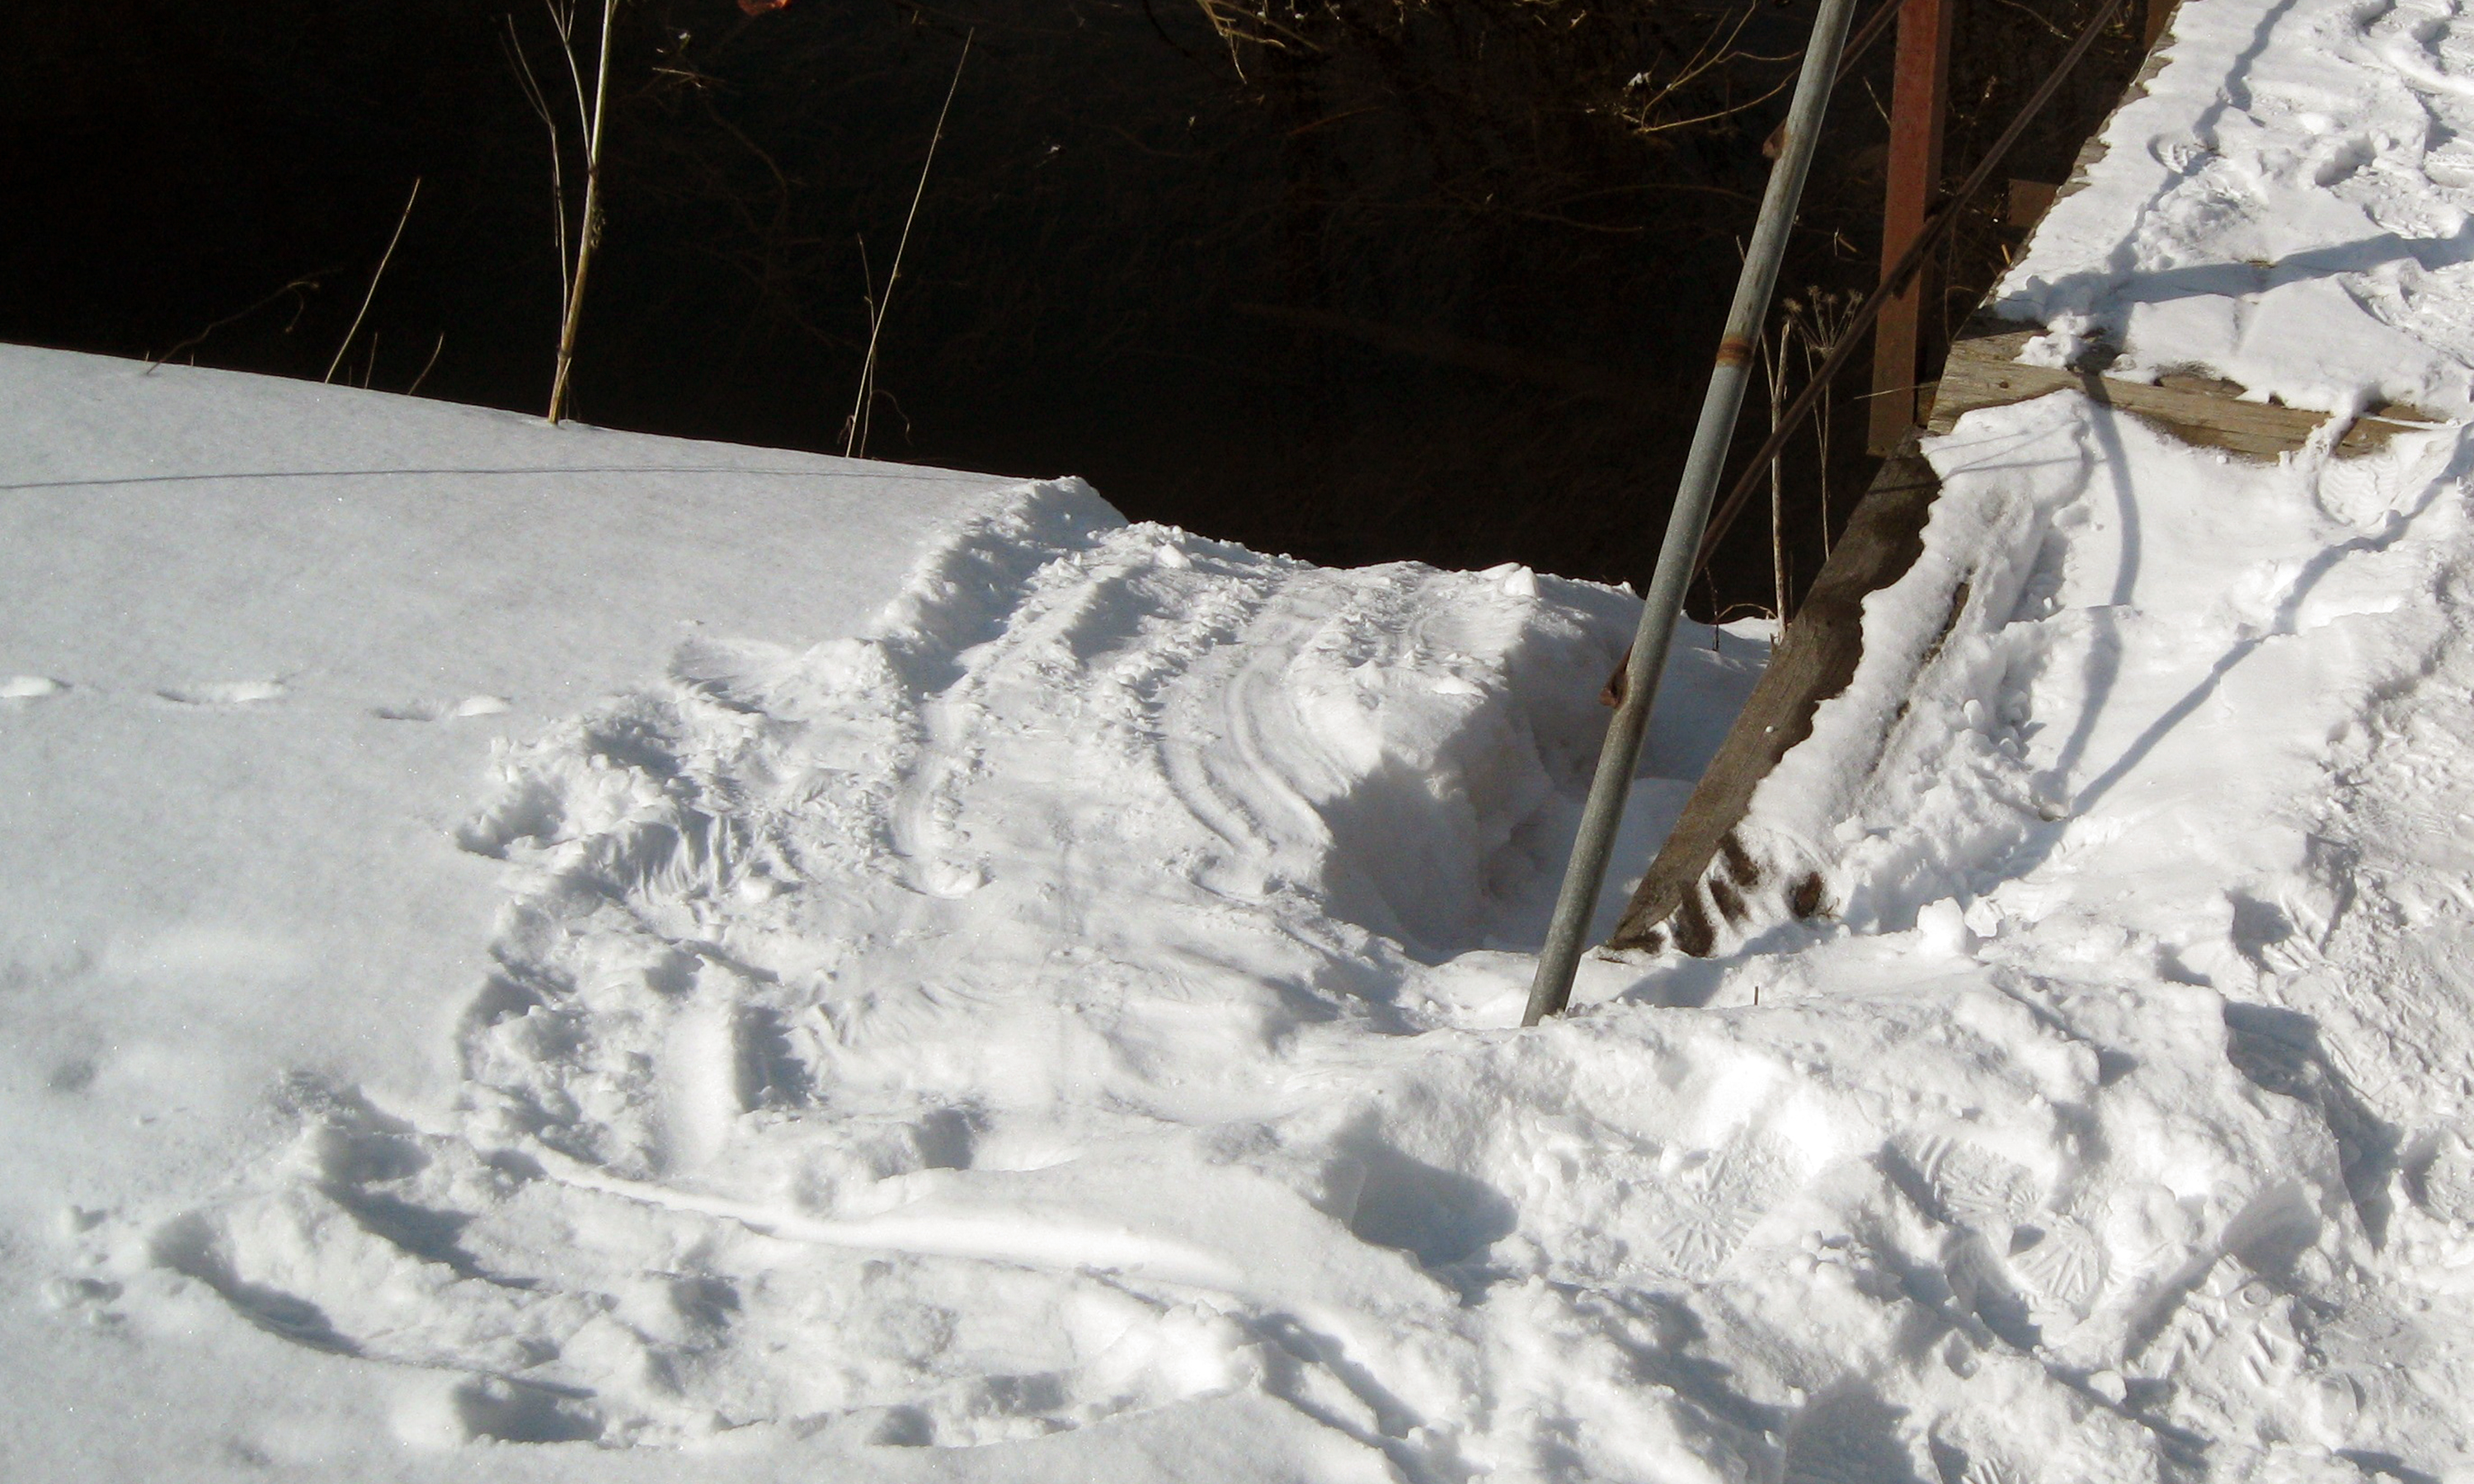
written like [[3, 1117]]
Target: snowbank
[[528, 963], [2168, 747], [1013, 995]]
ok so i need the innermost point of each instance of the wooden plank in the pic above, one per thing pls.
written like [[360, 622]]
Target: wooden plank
[[1918, 102], [1705, 876], [1681, 895], [1983, 370], [2029, 201]]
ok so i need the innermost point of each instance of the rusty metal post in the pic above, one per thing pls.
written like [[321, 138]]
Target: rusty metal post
[[1919, 98]]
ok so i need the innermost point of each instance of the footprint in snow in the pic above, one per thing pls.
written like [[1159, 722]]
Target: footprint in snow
[[2443, 1184], [441, 710], [223, 693], [30, 687]]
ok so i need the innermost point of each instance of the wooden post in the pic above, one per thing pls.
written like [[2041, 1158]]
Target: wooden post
[[1917, 98]]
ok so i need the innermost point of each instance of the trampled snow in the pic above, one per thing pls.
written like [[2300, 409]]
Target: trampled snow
[[545, 954], [546, 936]]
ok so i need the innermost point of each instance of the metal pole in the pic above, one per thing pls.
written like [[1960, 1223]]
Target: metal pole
[[1586, 872], [1857, 47]]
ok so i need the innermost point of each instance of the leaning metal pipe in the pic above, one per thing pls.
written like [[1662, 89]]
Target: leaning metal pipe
[[1586, 872]]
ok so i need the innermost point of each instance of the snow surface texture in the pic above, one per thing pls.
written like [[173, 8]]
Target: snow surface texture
[[2285, 207], [1057, 1026], [2171, 749], [958, 1034]]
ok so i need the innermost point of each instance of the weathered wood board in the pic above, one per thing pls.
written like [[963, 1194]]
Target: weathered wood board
[[1682, 894], [1983, 370]]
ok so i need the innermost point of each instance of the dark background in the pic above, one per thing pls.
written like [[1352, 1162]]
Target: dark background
[[1372, 281]]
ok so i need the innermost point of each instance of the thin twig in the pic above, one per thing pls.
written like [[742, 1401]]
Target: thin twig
[[1895, 278], [305, 281], [1711, 53], [415, 389], [563, 23], [1231, 23], [539, 102], [1850, 58], [2059, 33], [383, 259], [854, 431], [1821, 333], [1774, 362]]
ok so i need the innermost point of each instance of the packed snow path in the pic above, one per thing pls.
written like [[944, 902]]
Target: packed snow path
[[1059, 1027]]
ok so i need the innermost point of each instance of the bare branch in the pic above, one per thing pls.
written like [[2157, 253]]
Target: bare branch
[[299, 287]]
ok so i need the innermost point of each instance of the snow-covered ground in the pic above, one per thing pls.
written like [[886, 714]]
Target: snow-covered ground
[[545, 936], [547, 954]]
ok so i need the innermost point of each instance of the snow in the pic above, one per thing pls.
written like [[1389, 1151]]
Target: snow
[[582, 946], [2285, 207], [547, 954], [2170, 750]]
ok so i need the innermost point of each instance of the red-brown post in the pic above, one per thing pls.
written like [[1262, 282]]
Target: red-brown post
[[1918, 97]]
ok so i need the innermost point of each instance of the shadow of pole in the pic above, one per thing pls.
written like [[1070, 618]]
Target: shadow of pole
[[2103, 664], [2313, 574], [2234, 85]]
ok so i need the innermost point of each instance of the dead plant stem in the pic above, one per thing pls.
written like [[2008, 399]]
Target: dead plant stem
[[854, 431], [415, 389], [381, 273], [539, 102], [1774, 360], [589, 236]]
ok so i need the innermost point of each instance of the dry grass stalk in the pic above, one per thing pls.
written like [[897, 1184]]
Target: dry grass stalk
[[589, 236], [862, 410], [378, 274]]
